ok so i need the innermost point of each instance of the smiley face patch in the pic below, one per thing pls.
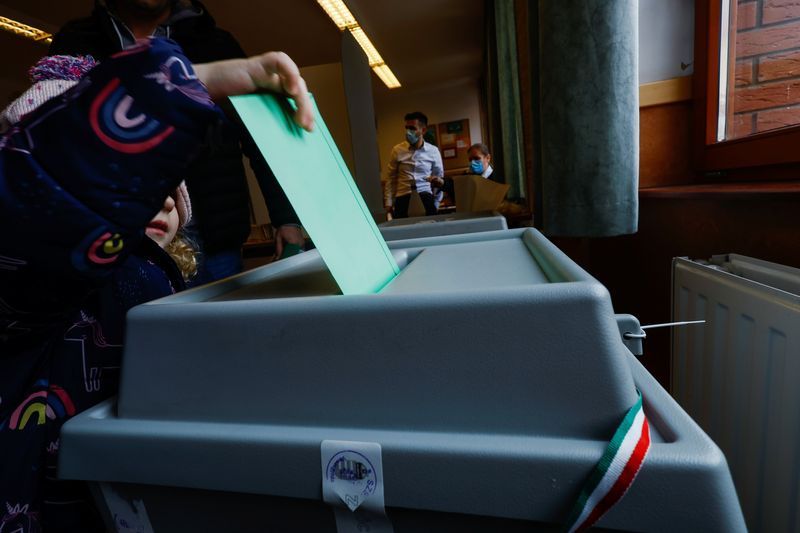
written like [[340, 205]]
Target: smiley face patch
[[98, 248]]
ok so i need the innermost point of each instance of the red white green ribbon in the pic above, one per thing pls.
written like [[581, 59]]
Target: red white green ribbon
[[614, 473]]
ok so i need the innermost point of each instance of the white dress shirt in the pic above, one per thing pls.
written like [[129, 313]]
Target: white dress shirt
[[408, 168]]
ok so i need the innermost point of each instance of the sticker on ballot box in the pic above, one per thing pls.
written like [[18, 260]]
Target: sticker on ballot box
[[128, 514], [352, 473]]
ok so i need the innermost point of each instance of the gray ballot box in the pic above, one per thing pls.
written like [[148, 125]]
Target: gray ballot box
[[436, 225], [490, 371]]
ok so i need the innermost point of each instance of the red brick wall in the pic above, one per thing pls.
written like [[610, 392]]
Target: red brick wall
[[767, 69]]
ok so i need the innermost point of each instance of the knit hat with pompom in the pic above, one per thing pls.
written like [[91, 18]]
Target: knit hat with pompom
[[51, 76]]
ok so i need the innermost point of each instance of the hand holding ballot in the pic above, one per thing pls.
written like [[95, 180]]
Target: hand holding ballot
[[271, 71]]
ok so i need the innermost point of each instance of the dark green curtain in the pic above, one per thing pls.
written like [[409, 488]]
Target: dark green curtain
[[503, 97], [588, 117]]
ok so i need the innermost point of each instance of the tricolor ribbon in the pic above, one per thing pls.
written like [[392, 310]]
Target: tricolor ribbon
[[614, 473]]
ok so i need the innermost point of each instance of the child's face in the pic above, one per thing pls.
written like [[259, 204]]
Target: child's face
[[164, 225]]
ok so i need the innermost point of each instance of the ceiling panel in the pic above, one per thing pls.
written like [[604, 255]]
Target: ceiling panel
[[426, 43]]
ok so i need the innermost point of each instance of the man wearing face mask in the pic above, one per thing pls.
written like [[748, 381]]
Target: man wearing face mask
[[414, 166]]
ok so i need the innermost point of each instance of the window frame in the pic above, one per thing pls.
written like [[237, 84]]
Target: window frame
[[776, 147]]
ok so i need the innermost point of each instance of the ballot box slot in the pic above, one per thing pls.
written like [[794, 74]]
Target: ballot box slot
[[481, 265]]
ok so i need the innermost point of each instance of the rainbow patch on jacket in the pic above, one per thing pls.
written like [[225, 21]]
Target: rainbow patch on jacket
[[121, 125], [52, 402]]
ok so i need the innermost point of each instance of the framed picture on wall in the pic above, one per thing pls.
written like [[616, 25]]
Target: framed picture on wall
[[454, 143]]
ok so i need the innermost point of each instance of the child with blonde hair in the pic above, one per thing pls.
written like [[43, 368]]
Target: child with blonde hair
[[90, 203]]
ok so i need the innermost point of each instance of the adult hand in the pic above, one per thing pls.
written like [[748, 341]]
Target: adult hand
[[435, 181], [272, 71], [288, 234]]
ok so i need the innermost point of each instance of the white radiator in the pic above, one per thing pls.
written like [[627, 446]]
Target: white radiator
[[738, 376]]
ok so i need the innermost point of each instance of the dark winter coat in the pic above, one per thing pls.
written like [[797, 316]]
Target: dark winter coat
[[216, 181]]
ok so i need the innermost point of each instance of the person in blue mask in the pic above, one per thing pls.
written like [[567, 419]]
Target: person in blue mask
[[480, 162], [413, 166]]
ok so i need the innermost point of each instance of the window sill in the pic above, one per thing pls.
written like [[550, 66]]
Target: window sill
[[724, 190]]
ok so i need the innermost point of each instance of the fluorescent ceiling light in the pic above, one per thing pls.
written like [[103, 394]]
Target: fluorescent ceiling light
[[338, 13], [345, 20], [386, 75], [23, 30], [363, 41]]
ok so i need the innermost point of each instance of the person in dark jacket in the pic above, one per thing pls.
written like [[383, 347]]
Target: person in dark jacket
[[217, 179], [480, 163], [89, 184]]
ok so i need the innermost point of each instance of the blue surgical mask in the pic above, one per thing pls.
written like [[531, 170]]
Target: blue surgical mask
[[411, 137], [475, 166]]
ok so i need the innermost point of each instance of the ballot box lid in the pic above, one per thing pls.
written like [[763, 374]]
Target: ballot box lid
[[445, 224]]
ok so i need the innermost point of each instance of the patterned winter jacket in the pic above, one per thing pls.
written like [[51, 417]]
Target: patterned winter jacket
[[80, 178]]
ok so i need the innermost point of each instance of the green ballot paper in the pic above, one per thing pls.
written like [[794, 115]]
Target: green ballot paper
[[318, 183]]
